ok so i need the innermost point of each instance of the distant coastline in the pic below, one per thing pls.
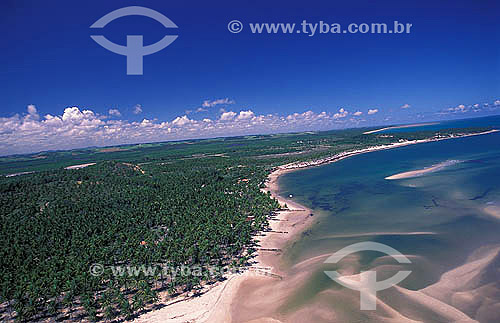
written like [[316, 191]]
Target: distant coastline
[[401, 127], [346, 154]]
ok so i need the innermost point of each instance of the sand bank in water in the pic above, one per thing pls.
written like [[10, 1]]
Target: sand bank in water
[[421, 172]]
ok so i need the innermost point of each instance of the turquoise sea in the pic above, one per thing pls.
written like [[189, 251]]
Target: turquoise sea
[[446, 222]]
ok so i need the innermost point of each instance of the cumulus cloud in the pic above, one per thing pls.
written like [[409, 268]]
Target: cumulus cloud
[[405, 106], [243, 115], [181, 121], [32, 112], [213, 103], [458, 108], [137, 109], [227, 115], [341, 114], [471, 108], [114, 112], [76, 116], [77, 128]]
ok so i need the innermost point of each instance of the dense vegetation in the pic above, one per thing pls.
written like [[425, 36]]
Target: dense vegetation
[[181, 204]]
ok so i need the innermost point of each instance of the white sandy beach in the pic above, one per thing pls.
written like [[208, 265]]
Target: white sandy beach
[[215, 304], [348, 154]]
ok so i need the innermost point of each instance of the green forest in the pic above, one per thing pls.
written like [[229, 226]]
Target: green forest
[[188, 203]]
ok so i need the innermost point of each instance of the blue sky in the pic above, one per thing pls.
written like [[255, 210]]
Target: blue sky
[[49, 63]]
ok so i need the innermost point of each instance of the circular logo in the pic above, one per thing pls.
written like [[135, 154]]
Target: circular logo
[[96, 270], [235, 26]]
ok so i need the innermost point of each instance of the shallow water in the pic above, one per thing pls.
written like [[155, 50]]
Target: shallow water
[[437, 220]]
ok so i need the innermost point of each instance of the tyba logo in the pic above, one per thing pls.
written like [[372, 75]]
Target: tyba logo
[[135, 50], [368, 284]]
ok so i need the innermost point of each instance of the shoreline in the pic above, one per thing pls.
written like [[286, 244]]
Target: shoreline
[[346, 154], [215, 304], [413, 125]]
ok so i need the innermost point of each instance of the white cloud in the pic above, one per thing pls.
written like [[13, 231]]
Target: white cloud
[[227, 115], [32, 112], [245, 115], [459, 108], [114, 112], [405, 106], [137, 109], [52, 120], [341, 114], [471, 108], [75, 115], [180, 121], [213, 103], [76, 128]]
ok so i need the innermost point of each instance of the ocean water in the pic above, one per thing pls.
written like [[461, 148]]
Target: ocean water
[[442, 220]]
